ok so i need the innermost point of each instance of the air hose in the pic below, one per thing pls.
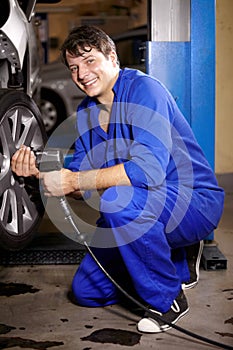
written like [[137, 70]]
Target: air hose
[[53, 160]]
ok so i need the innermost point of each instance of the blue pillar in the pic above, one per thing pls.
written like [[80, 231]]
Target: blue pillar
[[203, 75], [187, 68], [169, 62]]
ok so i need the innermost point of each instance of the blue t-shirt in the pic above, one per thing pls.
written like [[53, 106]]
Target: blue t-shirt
[[148, 133]]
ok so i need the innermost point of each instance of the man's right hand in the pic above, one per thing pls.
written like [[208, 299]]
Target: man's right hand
[[23, 162]]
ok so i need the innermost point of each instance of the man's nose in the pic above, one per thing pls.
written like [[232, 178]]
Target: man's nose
[[82, 72]]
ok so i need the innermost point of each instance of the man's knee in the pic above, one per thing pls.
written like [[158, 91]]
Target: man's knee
[[79, 292], [91, 287]]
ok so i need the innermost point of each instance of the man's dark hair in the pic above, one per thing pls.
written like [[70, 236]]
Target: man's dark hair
[[83, 39]]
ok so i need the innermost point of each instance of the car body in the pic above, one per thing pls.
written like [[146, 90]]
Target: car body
[[21, 207], [19, 44], [60, 96]]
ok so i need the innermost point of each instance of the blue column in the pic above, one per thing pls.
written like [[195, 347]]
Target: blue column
[[169, 62], [188, 70], [203, 75]]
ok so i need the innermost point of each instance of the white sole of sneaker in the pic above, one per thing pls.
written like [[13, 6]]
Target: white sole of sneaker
[[149, 325]]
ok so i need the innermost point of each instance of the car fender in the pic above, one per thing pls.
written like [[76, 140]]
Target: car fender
[[16, 40]]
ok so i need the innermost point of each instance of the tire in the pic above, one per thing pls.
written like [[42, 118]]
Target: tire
[[52, 109], [21, 207]]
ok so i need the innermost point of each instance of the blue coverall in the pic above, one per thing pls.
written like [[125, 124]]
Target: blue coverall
[[174, 200]]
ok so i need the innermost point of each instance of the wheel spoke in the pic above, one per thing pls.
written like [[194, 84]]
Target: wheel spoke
[[30, 210], [5, 133], [9, 217], [30, 126], [5, 207], [16, 125]]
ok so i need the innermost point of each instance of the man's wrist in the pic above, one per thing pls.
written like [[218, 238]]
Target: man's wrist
[[75, 183]]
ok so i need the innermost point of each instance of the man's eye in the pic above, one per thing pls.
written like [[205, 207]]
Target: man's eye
[[74, 69], [90, 60]]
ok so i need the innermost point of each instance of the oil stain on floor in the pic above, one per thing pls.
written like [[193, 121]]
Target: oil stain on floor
[[10, 342], [4, 329], [6, 343], [114, 336], [9, 289]]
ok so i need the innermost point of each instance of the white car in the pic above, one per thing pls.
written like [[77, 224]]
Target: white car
[[21, 208]]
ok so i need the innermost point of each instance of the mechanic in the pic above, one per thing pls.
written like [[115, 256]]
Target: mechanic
[[158, 195]]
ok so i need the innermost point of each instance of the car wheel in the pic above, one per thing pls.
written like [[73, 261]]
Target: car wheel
[[52, 110], [21, 207]]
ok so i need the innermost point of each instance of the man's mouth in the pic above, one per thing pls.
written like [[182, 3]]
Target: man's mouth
[[90, 82]]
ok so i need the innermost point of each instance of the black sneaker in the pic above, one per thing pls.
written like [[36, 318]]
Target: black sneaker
[[179, 308], [193, 253]]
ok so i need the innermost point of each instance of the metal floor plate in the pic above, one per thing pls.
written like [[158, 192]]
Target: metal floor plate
[[45, 249]]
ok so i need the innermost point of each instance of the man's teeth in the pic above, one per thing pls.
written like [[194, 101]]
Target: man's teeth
[[90, 82]]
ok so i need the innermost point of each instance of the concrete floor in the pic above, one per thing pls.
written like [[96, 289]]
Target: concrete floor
[[37, 313]]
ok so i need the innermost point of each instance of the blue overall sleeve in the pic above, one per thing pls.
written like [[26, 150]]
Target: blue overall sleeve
[[148, 114]]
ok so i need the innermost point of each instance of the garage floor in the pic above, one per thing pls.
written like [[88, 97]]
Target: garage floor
[[37, 312]]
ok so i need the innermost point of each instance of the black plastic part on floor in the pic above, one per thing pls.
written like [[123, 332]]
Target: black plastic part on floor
[[213, 259], [53, 248]]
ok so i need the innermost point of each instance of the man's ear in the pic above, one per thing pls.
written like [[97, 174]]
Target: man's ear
[[113, 57]]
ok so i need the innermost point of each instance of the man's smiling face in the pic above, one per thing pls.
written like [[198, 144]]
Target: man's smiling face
[[94, 73]]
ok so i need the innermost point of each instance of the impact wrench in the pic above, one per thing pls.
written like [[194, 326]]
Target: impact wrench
[[52, 159]]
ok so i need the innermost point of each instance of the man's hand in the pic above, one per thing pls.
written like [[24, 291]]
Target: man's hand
[[23, 162], [59, 183], [55, 183]]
